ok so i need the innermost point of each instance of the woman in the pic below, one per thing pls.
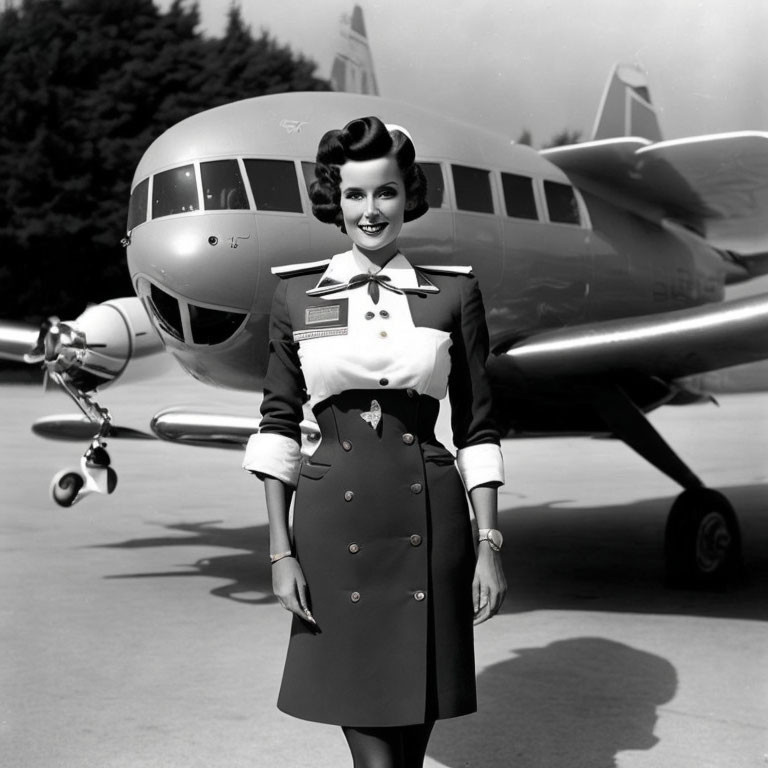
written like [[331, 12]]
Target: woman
[[381, 574]]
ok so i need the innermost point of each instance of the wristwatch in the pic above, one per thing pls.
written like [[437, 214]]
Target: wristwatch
[[492, 536]]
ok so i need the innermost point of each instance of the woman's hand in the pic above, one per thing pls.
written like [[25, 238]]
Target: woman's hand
[[489, 586], [290, 588]]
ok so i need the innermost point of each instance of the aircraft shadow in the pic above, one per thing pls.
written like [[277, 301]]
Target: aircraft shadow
[[556, 557], [575, 703]]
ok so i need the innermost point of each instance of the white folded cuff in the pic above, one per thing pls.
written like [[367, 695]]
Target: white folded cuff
[[480, 464], [268, 453]]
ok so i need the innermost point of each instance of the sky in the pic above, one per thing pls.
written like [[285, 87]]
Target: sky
[[542, 65]]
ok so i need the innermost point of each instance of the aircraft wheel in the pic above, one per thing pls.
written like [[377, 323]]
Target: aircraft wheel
[[702, 547], [65, 487]]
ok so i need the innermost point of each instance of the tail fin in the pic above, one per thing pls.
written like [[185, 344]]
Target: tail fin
[[352, 69], [626, 109]]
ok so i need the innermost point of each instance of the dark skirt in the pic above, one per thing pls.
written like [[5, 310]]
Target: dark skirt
[[382, 531]]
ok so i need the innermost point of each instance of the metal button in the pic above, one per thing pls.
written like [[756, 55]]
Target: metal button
[[348, 495], [418, 596], [416, 488], [383, 382], [355, 597], [415, 540], [369, 315], [409, 392], [383, 334], [353, 548], [408, 438], [346, 445], [384, 313]]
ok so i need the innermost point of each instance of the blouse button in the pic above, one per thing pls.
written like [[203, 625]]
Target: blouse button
[[383, 334], [383, 382], [348, 495], [408, 438], [416, 488], [353, 549], [415, 540], [346, 445], [384, 313], [369, 315], [355, 597], [418, 596]]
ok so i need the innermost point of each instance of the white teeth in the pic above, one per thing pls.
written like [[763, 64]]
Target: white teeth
[[372, 229]]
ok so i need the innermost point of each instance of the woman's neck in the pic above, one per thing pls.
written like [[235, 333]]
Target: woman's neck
[[380, 257]]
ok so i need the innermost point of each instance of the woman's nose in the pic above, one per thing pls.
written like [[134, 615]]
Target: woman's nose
[[371, 209]]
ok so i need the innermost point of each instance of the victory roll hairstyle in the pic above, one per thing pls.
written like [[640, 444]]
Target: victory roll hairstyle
[[366, 138]]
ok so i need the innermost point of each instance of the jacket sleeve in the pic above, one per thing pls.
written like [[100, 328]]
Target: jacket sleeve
[[276, 450], [475, 434]]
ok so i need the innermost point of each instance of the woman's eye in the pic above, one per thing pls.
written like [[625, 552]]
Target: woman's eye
[[388, 192], [353, 196]]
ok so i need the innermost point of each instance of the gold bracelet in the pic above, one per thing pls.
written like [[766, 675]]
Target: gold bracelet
[[279, 556]]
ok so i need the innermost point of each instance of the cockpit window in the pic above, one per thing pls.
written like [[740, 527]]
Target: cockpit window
[[137, 207], [213, 326], [174, 191], [166, 308], [518, 196], [562, 204], [223, 187], [274, 185], [435, 184]]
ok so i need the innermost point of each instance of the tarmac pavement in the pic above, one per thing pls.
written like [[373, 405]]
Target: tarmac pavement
[[138, 630]]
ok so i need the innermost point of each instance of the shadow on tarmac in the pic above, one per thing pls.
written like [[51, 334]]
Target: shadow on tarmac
[[555, 558], [573, 704]]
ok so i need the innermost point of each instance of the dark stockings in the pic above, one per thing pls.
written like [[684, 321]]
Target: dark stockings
[[401, 747]]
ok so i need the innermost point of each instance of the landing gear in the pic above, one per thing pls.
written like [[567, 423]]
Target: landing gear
[[703, 541], [702, 545], [94, 476]]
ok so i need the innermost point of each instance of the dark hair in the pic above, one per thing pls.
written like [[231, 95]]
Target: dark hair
[[366, 138]]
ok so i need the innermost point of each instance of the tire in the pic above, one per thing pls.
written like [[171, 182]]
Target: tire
[[702, 547], [65, 488]]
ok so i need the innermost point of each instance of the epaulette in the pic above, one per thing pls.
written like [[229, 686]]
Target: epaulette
[[303, 268], [444, 270]]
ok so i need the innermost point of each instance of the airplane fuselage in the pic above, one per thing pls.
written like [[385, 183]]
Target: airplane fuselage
[[222, 197]]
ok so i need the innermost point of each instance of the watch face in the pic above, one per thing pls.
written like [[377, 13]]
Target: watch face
[[496, 539]]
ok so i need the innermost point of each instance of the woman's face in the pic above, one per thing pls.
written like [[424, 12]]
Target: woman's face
[[373, 205]]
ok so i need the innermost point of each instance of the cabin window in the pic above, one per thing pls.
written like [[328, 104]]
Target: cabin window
[[518, 196], [473, 189], [223, 187], [562, 204], [435, 184], [274, 185], [308, 171], [137, 207], [213, 326], [174, 191], [167, 311]]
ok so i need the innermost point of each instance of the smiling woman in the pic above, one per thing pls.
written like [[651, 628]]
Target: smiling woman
[[380, 572]]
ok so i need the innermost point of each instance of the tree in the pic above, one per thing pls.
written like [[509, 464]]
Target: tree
[[87, 85]]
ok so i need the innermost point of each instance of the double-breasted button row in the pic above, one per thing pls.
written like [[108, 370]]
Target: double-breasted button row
[[418, 596], [383, 313]]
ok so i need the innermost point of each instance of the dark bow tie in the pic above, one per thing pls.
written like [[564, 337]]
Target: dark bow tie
[[374, 282]]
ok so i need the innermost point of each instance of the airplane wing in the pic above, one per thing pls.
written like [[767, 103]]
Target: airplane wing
[[716, 185], [668, 346]]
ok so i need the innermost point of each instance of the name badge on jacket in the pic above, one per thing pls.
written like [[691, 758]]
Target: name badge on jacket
[[328, 318]]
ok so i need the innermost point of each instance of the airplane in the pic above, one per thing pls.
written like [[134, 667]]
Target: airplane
[[603, 267]]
